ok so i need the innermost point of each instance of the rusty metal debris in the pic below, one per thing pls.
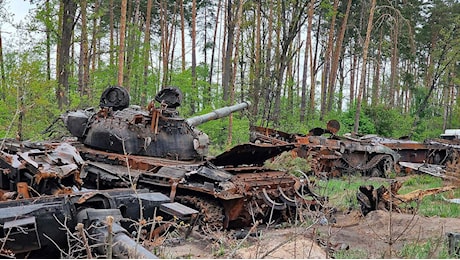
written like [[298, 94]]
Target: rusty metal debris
[[333, 155], [129, 163], [47, 168], [382, 198]]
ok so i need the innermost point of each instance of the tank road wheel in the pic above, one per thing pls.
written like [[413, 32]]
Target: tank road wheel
[[211, 216], [375, 172], [387, 166], [383, 168]]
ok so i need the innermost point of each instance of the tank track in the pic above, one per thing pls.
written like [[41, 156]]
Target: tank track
[[371, 163], [211, 212]]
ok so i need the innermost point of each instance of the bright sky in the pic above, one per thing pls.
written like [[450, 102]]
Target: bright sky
[[17, 10]]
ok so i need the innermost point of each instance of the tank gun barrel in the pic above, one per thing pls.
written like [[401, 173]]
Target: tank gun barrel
[[218, 113]]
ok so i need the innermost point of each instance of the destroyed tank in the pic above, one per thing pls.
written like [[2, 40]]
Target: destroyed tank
[[333, 155], [156, 149]]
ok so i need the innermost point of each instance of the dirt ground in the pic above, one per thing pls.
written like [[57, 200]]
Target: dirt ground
[[377, 235]]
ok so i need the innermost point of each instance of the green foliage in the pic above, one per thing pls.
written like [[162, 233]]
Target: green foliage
[[433, 248], [433, 205], [366, 126], [342, 194], [342, 191], [28, 92], [388, 122], [287, 162]]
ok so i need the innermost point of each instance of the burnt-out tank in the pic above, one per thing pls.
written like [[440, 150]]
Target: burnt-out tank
[[155, 131], [156, 149], [333, 155]]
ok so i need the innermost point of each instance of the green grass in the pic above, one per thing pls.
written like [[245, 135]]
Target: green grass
[[436, 248], [342, 193], [433, 205], [351, 254]]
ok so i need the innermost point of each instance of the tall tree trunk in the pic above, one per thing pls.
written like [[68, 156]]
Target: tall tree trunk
[[165, 40], [182, 33], [2, 71], [311, 109], [267, 82], [275, 95], [327, 91], [353, 72], [211, 66], [48, 42], [336, 56], [193, 69], [290, 28], [146, 48], [342, 82], [394, 64], [111, 40], [235, 60], [303, 91], [95, 57], [256, 89], [68, 23], [227, 65], [58, 44], [376, 80], [171, 44], [363, 72], [83, 61], [132, 45], [121, 48]]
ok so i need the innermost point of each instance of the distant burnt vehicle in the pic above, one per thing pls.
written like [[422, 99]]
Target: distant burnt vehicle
[[333, 155], [436, 156], [157, 149], [431, 151]]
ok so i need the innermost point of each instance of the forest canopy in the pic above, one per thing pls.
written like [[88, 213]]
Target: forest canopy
[[387, 67]]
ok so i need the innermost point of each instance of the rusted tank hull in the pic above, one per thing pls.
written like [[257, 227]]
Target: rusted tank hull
[[333, 156], [238, 193]]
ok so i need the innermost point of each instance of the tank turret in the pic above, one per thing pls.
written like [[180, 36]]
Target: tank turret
[[156, 149], [157, 131]]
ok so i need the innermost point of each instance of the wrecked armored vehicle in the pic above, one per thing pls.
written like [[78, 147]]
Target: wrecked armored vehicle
[[156, 149], [437, 157], [42, 202], [333, 155], [132, 165]]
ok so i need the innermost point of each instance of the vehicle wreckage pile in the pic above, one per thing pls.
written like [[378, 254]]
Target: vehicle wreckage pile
[[127, 174], [331, 156]]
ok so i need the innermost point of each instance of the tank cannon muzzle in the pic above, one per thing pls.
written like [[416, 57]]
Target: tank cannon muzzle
[[218, 113]]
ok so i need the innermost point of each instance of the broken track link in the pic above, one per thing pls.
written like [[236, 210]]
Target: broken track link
[[211, 212]]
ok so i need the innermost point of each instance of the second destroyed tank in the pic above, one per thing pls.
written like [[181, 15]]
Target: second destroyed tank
[[155, 148]]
